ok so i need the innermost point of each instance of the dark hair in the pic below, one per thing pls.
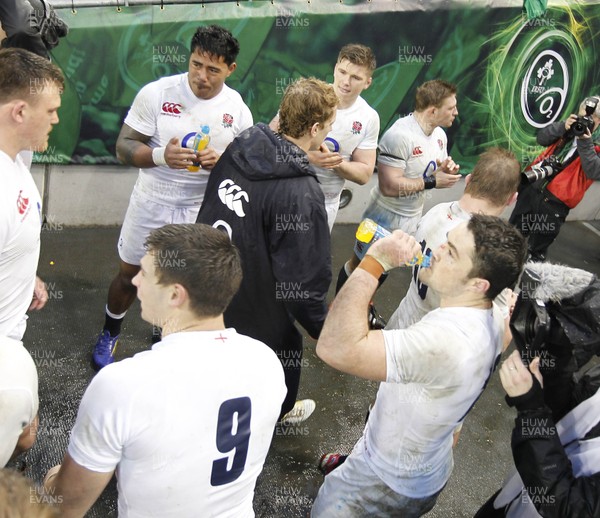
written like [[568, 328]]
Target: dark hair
[[305, 102], [24, 74], [216, 41], [495, 177], [200, 258], [433, 93], [358, 54], [500, 252]]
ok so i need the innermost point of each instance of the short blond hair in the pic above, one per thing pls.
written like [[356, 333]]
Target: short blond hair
[[306, 101], [433, 93], [359, 55], [19, 498]]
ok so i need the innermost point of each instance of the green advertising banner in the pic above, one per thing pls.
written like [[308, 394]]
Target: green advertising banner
[[515, 75]]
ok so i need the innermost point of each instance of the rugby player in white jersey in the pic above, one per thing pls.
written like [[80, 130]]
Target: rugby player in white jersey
[[164, 118]]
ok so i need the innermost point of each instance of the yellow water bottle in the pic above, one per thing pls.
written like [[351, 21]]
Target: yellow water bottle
[[201, 140], [369, 231]]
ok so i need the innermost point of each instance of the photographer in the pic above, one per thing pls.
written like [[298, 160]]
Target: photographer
[[557, 465], [31, 25], [543, 205]]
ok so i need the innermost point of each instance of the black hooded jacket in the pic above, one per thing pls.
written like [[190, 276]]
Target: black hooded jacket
[[264, 192]]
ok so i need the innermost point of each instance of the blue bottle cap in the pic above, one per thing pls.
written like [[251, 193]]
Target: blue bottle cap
[[426, 263]]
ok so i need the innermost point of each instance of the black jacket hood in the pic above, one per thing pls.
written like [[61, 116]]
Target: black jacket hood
[[266, 155]]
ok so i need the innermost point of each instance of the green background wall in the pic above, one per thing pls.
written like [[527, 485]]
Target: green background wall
[[513, 75]]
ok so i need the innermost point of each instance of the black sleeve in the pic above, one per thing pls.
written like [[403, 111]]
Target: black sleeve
[[19, 22], [551, 133], [590, 161], [544, 467], [301, 261]]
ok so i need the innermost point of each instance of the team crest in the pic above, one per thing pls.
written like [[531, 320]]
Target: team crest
[[440, 143], [227, 120], [356, 128], [22, 203]]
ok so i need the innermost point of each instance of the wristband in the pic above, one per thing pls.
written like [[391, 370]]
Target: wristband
[[429, 182], [158, 156], [372, 266]]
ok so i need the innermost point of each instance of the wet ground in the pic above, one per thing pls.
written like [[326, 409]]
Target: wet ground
[[78, 265]]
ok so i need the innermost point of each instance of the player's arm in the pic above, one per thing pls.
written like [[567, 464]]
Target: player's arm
[[133, 149], [302, 259], [40, 295], [27, 438], [74, 487], [393, 183], [360, 169], [346, 342]]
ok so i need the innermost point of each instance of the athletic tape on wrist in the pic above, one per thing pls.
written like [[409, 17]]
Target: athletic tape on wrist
[[429, 182], [372, 266], [158, 156]]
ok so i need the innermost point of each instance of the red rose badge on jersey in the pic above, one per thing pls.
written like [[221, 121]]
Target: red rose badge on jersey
[[227, 120], [440, 143], [22, 203], [356, 128]]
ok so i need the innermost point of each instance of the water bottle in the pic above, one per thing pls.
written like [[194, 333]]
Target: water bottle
[[201, 140], [369, 231]]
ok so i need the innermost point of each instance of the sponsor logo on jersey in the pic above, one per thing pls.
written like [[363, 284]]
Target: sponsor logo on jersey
[[356, 128], [417, 151], [227, 120], [170, 108], [22, 203], [233, 197]]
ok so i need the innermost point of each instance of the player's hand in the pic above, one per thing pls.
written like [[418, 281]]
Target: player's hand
[[516, 378], [394, 250], [445, 180], [208, 157], [40, 295], [324, 158], [569, 122], [447, 166], [178, 157]]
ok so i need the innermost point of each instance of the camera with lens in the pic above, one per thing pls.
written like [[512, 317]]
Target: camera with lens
[[558, 308], [585, 122], [545, 169]]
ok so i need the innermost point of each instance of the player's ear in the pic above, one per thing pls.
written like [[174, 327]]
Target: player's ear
[[512, 199], [231, 68], [179, 296], [369, 81], [18, 110], [314, 129], [479, 285], [467, 179]]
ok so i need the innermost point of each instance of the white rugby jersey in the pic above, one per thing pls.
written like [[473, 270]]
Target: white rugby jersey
[[168, 108], [436, 370], [187, 424], [432, 232], [356, 127], [406, 146], [20, 226]]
